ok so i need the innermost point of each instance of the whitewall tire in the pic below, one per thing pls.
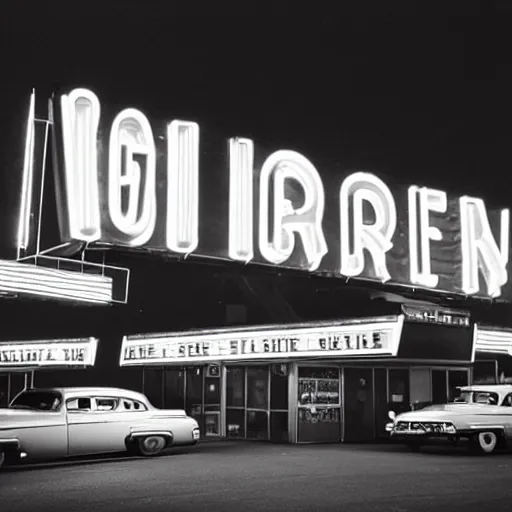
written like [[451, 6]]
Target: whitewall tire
[[150, 446], [486, 442]]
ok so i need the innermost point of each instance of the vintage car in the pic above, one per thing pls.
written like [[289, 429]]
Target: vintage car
[[482, 414], [66, 422]]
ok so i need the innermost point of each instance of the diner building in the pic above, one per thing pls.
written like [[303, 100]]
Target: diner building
[[306, 383]]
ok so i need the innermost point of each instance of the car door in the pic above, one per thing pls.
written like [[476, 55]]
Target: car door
[[115, 423], [84, 426], [506, 415], [92, 426]]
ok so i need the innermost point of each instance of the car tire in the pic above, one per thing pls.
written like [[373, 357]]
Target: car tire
[[485, 442], [150, 446]]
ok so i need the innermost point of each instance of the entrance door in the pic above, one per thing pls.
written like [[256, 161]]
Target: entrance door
[[202, 398], [257, 402], [319, 405], [258, 391], [194, 395], [359, 421], [456, 379], [4, 390]]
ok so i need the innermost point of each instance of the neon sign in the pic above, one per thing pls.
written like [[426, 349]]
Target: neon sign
[[71, 352], [375, 338], [147, 189]]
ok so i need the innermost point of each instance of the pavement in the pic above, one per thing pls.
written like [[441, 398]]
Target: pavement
[[251, 476]]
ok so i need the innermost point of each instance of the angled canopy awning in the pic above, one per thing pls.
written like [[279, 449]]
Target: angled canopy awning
[[36, 280]]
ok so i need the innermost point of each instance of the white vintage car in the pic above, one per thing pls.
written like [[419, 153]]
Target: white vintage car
[[482, 415], [66, 422]]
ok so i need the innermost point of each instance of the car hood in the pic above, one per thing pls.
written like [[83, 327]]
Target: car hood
[[449, 412], [21, 418]]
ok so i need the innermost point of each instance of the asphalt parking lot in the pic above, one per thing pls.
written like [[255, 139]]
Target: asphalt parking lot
[[259, 476]]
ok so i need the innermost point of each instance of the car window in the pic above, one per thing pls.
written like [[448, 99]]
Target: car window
[[139, 406], [485, 397], [127, 404], [79, 404], [507, 401], [106, 404], [38, 400]]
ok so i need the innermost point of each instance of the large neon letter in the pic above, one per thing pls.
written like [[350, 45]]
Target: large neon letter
[[80, 119], [429, 200], [306, 220], [131, 148], [479, 249], [376, 237], [28, 180], [241, 163], [182, 186]]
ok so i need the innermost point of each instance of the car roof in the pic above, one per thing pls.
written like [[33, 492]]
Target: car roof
[[495, 388], [71, 392]]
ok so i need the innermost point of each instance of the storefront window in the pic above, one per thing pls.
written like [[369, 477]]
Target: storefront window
[[235, 423], [235, 384], [439, 387], [456, 379], [257, 387], [279, 387], [4, 390], [257, 425], [399, 386]]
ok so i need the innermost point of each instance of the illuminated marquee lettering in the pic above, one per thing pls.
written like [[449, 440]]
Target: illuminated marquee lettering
[[132, 167], [182, 186], [306, 220], [379, 337], [425, 200], [291, 205], [80, 120], [479, 249], [376, 237], [48, 353], [241, 163]]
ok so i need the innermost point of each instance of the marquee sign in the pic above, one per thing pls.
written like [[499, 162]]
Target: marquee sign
[[493, 340], [69, 352], [375, 338], [436, 315], [162, 185]]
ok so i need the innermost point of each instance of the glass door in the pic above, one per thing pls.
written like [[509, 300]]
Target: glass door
[[4, 390], [235, 402], [319, 405], [439, 387], [279, 403], [258, 391], [456, 379], [212, 401], [194, 395], [202, 398]]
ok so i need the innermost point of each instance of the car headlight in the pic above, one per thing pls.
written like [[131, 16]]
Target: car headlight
[[449, 428]]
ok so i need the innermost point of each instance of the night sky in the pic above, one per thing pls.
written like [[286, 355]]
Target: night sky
[[419, 94]]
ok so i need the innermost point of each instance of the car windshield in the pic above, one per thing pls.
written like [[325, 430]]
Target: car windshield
[[37, 400], [478, 397]]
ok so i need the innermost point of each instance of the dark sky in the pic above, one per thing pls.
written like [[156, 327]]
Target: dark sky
[[422, 94]]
